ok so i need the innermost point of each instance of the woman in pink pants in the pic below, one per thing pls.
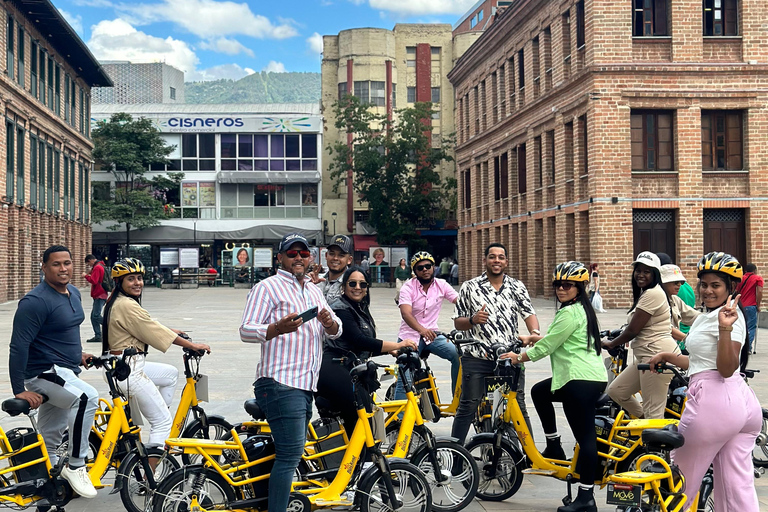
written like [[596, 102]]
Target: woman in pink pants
[[722, 416]]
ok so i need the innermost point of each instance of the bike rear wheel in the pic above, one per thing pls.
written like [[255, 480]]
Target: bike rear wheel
[[456, 463], [760, 452], [218, 428], [136, 493], [410, 486], [502, 480], [175, 492]]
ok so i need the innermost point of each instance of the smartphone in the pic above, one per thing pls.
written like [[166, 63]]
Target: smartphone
[[308, 314]]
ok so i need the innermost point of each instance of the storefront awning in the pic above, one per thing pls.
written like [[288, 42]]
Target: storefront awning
[[364, 242], [176, 234], [269, 177]]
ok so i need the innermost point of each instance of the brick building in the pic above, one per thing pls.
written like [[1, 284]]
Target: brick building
[[45, 93], [145, 83], [388, 69], [480, 16], [590, 130]]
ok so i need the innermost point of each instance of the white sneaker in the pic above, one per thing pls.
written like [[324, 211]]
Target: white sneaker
[[79, 480]]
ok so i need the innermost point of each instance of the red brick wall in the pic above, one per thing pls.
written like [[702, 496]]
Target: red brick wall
[[587, 212]]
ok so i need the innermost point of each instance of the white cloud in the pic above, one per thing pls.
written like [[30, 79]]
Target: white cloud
[[76, 22], [118, 40], [315, 43], [249, 71], [274, 67], [93, 3], [419, 7], [209, 19], [228, 71], [227, 46]]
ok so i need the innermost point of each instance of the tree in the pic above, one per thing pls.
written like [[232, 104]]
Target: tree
[[127, 147], [393, 165]]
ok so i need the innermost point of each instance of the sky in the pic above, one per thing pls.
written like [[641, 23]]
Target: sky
[[213, 39]]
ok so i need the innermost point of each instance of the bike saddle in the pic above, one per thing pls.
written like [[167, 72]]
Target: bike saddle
[[410, 359], [252, 408], [603, 400], [325, 408], [16, 406], [662, 439]]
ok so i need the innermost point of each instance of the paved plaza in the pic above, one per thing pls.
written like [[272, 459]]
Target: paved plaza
[[212, 316]]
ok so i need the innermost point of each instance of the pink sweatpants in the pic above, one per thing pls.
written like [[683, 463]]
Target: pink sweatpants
[[721, 420]]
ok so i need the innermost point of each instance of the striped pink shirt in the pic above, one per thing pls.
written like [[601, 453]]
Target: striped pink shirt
[[291, 359]]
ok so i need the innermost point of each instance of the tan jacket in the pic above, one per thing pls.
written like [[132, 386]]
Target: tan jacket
[[131, 326]]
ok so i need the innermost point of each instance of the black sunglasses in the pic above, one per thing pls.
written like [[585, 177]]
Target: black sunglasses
[[292, 253], [354, 284], [426, 266], [565, 285]]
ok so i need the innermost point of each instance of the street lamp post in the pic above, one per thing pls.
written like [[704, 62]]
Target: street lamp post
[[333, 216]]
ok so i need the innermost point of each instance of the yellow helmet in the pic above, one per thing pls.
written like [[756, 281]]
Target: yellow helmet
[[571, 271], [421, 256], [127, 266], [721, 262]]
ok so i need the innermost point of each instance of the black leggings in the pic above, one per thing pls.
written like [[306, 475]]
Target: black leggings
[[335, 385], [578, 398]]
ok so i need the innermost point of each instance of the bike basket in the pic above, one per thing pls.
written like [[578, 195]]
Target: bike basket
[[377, 425], [426, 405], [624, 494], [325, 429], [20, 438]]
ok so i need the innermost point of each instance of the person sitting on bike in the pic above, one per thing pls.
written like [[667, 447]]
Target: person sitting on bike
[[578, 376], [672, 279], [128, 325], [722, 417], [357, 340], [650, 331]]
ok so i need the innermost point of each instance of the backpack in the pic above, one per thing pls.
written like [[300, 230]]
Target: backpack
[[106, 280]]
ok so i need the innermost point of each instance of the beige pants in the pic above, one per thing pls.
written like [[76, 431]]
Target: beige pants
[[653, 386]]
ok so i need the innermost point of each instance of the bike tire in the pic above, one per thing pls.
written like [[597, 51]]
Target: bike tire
[[135, 493], [460, 489], [409, 483], [218, 428], [388, 444], [390, 394], [760, 452], [509, 475], [175, 492]]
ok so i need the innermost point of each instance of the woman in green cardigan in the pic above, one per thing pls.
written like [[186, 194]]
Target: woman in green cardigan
[[578, 376]]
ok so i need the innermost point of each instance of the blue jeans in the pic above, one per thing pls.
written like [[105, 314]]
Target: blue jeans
[[96, 319], [442, 348], [288, 412], [751, 318]]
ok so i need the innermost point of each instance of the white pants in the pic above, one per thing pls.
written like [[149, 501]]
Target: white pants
[[152, 385]]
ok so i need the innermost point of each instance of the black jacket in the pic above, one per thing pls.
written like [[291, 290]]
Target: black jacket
[[359, 330]]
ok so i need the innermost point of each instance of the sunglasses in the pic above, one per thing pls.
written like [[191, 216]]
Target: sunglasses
[[354, 284], [565, 285], [419, 268], [292, 253]]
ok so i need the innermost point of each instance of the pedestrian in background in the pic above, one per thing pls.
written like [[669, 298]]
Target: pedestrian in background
[[594, 281], [95, 277], [751, 290], [445, 268], [402, 274], [455, 273]]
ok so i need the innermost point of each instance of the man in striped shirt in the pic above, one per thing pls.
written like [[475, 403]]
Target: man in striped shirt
[[291, 354]]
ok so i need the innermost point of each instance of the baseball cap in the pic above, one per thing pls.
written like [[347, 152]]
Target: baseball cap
[[648, 259], [290, 239], [343, 242], [671, 274]]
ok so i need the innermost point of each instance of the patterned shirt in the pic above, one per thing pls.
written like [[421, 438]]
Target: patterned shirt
[[331, 288], [292, 359], [503, 307]]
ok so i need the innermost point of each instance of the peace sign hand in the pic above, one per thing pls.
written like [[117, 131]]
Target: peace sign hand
[[729, 312]]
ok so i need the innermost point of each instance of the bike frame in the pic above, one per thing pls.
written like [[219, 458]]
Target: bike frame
[[652, 483]]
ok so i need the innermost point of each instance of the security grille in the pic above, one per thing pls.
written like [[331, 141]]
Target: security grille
[[652, 216], [723, 215]]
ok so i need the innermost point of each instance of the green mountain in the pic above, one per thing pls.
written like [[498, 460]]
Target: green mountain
[[257, 88]]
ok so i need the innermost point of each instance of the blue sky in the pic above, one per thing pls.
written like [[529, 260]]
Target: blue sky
[[210, 39]]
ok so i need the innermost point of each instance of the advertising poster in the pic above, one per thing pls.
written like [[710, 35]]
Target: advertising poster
[[189, 257], [169, 257], [262, 257], [207, 194], [243, 256], [398, 253], [189, 194], [379, 256]]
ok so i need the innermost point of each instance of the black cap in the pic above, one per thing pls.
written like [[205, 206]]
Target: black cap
[[290, 239], [343, 242]]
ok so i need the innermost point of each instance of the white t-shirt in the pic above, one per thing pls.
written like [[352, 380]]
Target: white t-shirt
[[701, 342]]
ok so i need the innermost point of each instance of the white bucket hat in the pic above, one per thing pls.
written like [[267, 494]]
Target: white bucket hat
[[671, 274]]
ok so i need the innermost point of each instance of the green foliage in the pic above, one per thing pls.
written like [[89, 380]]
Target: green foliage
[[257, 88], [393, 166], [128, 146]]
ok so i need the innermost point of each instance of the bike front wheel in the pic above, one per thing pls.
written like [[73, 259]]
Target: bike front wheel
[[136, 493], [218, 428], [175, 493], [460, 476], [410, 486], [501, 480]]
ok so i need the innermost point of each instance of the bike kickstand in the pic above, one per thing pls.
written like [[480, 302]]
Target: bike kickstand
[[569, 497]]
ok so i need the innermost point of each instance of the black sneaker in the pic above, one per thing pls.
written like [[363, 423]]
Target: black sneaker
[[95, 339]]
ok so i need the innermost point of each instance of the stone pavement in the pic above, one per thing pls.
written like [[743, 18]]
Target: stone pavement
[[212, 316]]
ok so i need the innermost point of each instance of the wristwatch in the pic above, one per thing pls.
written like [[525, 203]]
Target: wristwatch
[[536, 332], [520, 357]]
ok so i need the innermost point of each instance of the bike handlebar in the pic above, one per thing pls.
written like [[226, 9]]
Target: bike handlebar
[[661, 367]]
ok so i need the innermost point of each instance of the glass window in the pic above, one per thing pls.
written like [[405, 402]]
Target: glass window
[[9, 51], [33, 70], [309, 194], [309, 146], [261, 146], [207, 145], [228, 145], [245, 195], [9, 154], [172, 139], [174, 165], [435, 95], [21, 57], [261, 165], [293, 165], [276, 165], [189, 165], [309, 165], [208, 165], [278, 146], [292, 146], [188, 145], [411, 92], [245, 165], [260, 196], [378, 94], [245, 145], [342, 89], [361, 92], [228, 165], [160, 167], [228, 194], [293, 195]]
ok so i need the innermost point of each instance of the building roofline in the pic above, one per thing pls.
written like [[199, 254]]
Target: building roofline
[[467, 14]]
